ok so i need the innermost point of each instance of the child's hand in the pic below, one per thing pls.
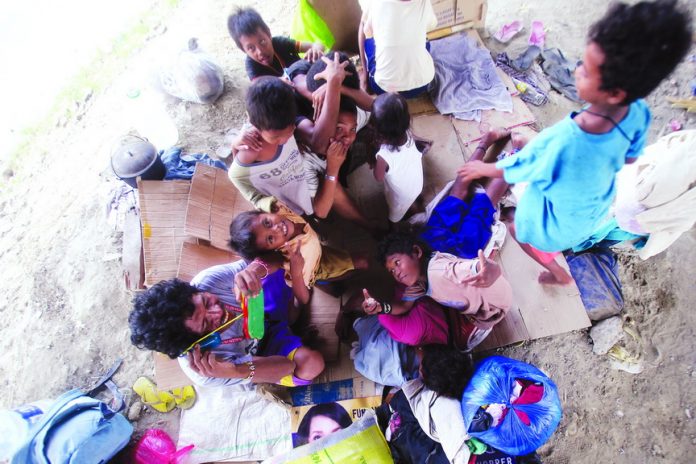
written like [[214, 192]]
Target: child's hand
[[335, 70], [369, 304], [318, 100], [335, 156], [314, 53], [247, 282], [296, 258], [250, 139], [488, 272], [472, 170]]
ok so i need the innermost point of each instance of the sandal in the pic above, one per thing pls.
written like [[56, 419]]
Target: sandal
[[158, 400], [184, 396]]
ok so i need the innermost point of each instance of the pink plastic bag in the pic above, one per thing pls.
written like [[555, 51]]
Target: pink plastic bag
[[156, 447]]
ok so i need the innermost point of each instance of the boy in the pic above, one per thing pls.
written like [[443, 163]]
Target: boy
[[571, 166], [474, 287], [266, 55]]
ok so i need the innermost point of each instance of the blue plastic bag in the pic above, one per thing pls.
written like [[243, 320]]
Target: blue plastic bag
[[596, 272], [493, 382]]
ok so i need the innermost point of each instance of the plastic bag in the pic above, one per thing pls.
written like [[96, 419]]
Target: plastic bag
[[193, 76], [308, 26], [596, 272], [493, 383], [156, 447]]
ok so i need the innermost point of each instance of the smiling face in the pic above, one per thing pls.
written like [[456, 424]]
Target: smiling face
[[272, 231], [258, 47], [322, 426], [208, 314], [405, 268]]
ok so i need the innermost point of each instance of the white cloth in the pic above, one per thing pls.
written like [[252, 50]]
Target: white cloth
[[657, 193], [399, 29], [403, 181], [233, 423], [440, 418]]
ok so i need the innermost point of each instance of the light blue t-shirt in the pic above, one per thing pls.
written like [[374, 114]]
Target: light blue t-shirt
[[571, 178]]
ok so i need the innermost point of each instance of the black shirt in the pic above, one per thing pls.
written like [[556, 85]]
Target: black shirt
[[285, 54]]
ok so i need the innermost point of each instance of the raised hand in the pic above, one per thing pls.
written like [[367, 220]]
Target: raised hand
[[488, 272]]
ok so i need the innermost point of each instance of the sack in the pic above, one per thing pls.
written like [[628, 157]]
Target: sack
[[78, 429], [525, 427], [193, 76], [596, 273], [156, 447]]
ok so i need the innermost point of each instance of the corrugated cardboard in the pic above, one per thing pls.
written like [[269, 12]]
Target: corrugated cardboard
[[457, 15], [132, 253], [194, 258]]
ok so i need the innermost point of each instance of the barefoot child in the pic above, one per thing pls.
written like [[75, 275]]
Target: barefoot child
[[266, 55], [398, 162], [254, 234], [571, 166]]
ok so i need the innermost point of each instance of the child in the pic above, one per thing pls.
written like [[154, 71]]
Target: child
[[254, 234], [398, 162], [266, 56], [473, 286], [571, 166]]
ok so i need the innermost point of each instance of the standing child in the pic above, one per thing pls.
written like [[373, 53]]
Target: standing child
[[398, 162], [571, 166], [266, 55]]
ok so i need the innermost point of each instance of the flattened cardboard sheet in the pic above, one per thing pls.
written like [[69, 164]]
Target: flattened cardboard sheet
[[213, 202], [162, 216], [132, 253], [194, 258], [168, 373]]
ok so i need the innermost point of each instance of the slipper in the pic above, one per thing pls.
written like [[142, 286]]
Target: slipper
[[158, 400], [508, 31], [537, 36], [184, 396]]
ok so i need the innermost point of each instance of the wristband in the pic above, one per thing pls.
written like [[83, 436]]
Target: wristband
[[331, 178], [252, 370], [386, 308], [262, 264]]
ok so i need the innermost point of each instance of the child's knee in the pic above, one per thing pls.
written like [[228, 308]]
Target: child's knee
[[310, 362]]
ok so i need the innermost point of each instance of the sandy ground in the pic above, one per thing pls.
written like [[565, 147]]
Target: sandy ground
[[64, 306]]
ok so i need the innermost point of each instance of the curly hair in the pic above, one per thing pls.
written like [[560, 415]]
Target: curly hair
[[642, 45], [158, 316], [270, 104], [401, 242], [242, 239], [390, 120], [446, 370], [245, 21], [333, 411]]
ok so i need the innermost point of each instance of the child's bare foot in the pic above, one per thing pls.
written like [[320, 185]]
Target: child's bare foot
[[493, 136], [557, 278], [518, 140]]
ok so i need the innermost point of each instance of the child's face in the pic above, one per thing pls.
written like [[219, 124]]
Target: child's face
[[346, 128], [405, 268], [258, 47], [277, 136], [272, 231], [588, 79]]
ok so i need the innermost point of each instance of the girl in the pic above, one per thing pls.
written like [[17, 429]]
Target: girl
[[398, 161]]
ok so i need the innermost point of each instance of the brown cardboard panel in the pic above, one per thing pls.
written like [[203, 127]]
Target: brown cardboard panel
[[212, 204], [195, 258], [471, 11], [342, 368], [510, 330], [162, 216], [323, 310], [168, 373], [445, 10], [457, 15], [132, 255], [470, 132]]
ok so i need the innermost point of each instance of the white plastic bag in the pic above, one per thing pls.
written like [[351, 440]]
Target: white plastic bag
[[193, 76]]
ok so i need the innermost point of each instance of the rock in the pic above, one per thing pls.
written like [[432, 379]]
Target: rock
[[606, 334], [134, 411]]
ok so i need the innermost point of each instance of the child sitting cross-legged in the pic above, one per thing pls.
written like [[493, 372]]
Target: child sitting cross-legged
[[266, 55], [474, 287], [570, 167], [256, 234], [398, 161]]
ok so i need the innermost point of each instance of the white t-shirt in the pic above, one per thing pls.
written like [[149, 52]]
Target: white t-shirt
[[399, 30], [403, 181]]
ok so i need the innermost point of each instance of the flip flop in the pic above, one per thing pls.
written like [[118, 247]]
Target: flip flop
[[158, 400], [537, 36], [508, 31], [184, 396]]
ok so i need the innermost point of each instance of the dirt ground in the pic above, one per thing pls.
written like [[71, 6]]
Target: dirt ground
[[64, 307]]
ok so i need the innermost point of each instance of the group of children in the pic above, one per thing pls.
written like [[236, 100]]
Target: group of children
[[304, 115]]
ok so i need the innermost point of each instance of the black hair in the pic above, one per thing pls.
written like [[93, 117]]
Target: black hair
[[242, 239], [401, 242], [158, 316], [351, 80], [271, 104], [334, 411], [642, 44], [446, 370], [245, 21], [390, 120]]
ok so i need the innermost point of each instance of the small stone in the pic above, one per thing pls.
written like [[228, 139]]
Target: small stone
[[687, 411], [134, 411], [606, 334], [619, 413]]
